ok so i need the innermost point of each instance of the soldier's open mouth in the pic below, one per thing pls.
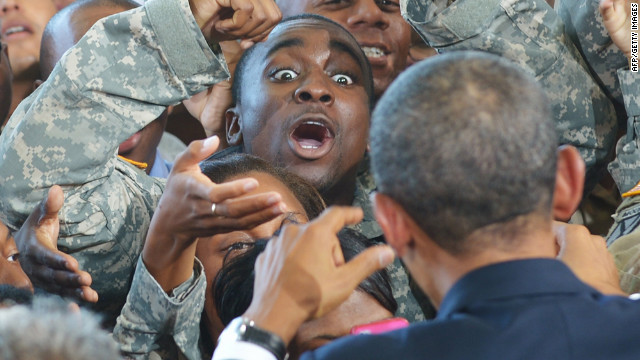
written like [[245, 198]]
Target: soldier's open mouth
[[311, 139]]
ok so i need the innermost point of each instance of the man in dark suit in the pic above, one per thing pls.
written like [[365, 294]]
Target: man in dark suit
[[464, 152]]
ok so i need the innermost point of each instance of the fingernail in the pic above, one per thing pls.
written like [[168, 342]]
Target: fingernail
[[250, 185], [386, 256], [280, 209], [273, 199], [209, 142]]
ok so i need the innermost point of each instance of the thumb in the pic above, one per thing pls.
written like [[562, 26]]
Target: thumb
[[197, 151], [560, 231], [53, 202], [362, 266]]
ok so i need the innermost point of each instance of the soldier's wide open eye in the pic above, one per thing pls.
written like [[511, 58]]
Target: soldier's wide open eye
[[388, 5], [284, 75], [342, 79]]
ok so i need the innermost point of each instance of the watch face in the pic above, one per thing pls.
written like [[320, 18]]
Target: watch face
[[241, 329], [232, 331]]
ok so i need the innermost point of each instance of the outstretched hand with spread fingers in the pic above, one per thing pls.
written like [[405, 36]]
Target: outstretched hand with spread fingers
[[193, 206], [47, 267], [302, 274]]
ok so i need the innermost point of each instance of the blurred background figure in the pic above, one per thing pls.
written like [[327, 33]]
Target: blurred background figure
[[23, 22], [56, 331]]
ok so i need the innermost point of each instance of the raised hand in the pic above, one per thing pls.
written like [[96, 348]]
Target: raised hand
[[617, 20], [249, 20], [47, 267], [210, 106], [302, 274], [184, 213]]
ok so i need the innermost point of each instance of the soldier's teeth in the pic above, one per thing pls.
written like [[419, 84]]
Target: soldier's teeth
[[372, 51], [14, 29]]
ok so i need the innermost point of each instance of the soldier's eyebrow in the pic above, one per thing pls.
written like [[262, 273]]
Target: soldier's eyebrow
[[344, 47], [294, 42]]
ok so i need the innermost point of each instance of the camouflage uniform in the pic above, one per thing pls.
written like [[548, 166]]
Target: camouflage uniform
[[625, 169], [155, 325], [413, 304], [120, 77], [583, 24], [530, 33]]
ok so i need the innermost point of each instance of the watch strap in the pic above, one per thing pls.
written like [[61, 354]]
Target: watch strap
[[246, 330]]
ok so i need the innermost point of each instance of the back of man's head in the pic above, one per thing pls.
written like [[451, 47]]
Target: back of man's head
[[465, 144]]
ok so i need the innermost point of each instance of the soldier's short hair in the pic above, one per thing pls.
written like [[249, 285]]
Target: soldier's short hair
[[465, 142]]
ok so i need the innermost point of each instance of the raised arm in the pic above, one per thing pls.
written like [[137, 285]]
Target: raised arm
[[118, 78], [166, 297]]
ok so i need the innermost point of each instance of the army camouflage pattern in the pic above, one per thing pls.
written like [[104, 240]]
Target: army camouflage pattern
[[156, 325], [529, 33], [626, 253], [625, 169], [584, 25], [120, 77], [406, 296]]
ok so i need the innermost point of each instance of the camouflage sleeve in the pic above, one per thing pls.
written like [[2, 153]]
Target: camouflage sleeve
[[626, 253], [625, 169], [583, 24], [153, 322], [531, 34], [630, 84], [118, 78]]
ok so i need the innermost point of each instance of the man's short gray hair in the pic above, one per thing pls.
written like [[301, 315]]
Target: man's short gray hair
[[463, 141], [49, 330]]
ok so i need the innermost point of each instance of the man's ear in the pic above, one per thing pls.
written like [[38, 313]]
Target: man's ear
[[233, 127], [36, 84], [393, 221], [569, 183]]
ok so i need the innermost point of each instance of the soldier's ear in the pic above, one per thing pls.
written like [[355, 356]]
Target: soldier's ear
[[36, 84], [569, 183], [233, 127]]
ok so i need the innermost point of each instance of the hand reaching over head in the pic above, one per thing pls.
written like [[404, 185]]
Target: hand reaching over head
[[588, 257], [249, 20], [302, 274], [193, 206], [210, 106], [47, 267]]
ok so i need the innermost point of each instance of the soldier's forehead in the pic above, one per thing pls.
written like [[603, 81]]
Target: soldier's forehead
[[294, 27]]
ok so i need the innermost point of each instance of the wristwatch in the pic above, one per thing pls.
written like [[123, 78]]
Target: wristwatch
[[243, 329]]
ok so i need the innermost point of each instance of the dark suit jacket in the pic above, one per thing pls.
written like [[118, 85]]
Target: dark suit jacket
[[526, 309]]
